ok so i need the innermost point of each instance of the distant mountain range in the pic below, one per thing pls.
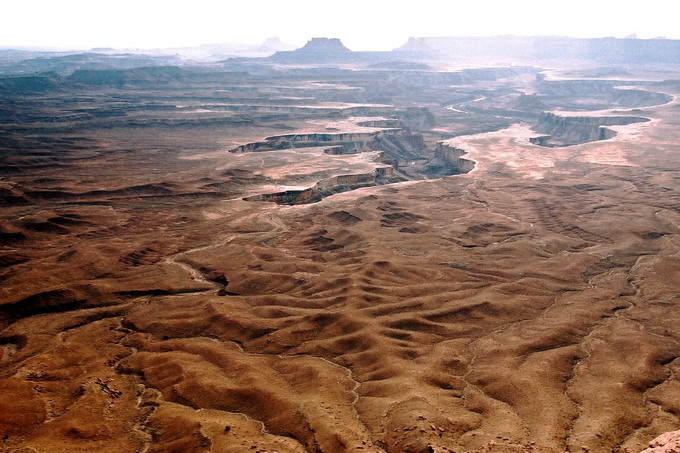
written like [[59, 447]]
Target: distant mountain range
[[415, 53], [31, 61], [507, 48], [541, 48]]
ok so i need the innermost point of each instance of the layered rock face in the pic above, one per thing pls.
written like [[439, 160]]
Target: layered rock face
[[454, 157], [573, 130], [356, 141], [394, 143], [330, 186], [595, 94]]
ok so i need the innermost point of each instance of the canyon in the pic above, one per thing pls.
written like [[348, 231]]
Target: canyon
[[323, 250]]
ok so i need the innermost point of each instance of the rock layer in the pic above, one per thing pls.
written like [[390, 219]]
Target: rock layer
[[574, 130]]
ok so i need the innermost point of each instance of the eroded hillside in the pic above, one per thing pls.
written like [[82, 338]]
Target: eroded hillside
[[367, 261]]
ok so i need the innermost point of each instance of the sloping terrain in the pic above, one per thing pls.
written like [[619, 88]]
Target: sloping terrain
[[153, 298]]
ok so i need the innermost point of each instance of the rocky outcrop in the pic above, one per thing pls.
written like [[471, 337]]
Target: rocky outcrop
[[603, 92], [338, 150], [317, 50], [319, 45], [306, 140], [386, 123], [453, 158], [417, 118], [574, 130], [390, 144], [665, 443], [528, 102], [396, 143], [330, 186]]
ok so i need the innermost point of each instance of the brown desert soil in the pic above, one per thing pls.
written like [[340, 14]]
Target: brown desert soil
[[530, 305]]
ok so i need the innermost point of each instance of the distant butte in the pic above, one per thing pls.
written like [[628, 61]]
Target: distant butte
[[316, 50], [324, 45]]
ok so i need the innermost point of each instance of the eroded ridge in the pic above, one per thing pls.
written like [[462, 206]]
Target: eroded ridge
[[392, 148], [528, 305], [573, 130]]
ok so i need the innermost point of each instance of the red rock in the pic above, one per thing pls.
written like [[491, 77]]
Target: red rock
[[666, 443]]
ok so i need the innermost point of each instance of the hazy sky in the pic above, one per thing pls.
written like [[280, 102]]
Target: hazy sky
[[361, 24]]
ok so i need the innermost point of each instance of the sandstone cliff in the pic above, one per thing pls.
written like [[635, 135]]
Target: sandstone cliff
[[453, 157], [330, 186], [573, 130], [397, 143]]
